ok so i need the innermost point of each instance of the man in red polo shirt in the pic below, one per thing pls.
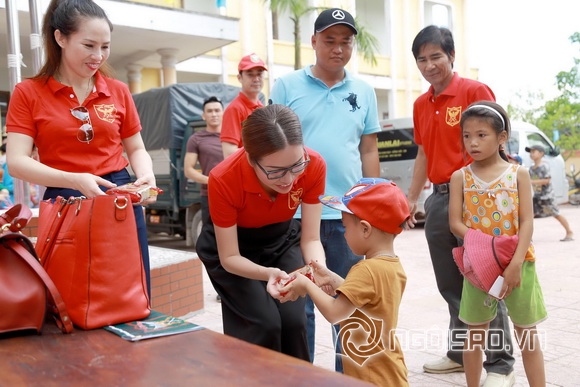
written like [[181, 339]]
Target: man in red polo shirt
[[251, 75], [436, 116]]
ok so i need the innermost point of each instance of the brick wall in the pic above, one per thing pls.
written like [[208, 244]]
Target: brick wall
[[177, 288], [31, 228]]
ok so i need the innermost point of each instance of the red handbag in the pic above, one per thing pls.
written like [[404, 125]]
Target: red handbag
[[26, 290], [90, 249]]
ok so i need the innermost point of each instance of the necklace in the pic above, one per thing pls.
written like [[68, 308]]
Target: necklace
[[89, 88], [87, 91]]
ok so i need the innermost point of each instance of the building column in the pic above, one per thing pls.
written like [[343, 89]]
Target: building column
[[134, 75], [168, 62]]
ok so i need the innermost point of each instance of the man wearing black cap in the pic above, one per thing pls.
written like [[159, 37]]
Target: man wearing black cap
[[544, 198], [340, 121]]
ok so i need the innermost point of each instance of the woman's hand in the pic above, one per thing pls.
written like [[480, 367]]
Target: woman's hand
[[276, 277], [149, 180], [88, 184]]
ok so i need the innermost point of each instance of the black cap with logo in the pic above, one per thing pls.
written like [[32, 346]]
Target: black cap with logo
[[332, 17]]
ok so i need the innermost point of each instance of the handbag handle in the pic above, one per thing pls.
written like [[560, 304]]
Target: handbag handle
[[15, 218], [55, 302], [57, 214]]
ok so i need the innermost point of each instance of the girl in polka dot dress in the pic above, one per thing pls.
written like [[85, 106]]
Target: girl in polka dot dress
[[495, 196]]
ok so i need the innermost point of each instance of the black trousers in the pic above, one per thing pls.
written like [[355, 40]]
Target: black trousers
[[249, 312]]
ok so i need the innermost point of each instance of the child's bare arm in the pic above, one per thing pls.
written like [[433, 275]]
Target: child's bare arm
[[333, 309], [513, 273]]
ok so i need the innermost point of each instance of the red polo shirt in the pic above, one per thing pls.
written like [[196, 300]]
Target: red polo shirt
[[236, 196], [236, 112], [41, 110], [436, 122]]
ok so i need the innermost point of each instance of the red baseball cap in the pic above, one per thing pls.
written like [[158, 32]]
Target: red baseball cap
[[251, 61], [378, 201]]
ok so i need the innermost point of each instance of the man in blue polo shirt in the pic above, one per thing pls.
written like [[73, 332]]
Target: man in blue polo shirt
[[340, 121]]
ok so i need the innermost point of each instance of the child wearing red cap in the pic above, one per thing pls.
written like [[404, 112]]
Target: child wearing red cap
[[495, 197], [373, 213]]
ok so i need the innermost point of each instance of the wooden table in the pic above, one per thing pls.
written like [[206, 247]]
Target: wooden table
[[199, 358]]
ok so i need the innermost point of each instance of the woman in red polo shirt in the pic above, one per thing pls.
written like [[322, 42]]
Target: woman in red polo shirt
[[80, 119], [252, 240]]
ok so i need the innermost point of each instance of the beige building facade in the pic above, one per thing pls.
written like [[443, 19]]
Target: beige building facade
[[159, 42]]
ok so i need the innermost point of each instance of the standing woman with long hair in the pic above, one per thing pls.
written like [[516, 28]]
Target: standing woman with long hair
[[78, 116]]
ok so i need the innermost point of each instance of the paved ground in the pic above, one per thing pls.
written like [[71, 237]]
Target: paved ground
[[423, 309]]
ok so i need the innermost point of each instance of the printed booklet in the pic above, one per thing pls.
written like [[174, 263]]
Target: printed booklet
[[156, 325]]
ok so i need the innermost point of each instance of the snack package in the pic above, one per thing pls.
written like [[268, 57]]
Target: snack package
[[306, 270], [136, 193]]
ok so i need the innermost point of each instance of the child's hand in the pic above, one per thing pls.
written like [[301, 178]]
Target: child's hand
[[512, 278], [323, 277], [296, 286]]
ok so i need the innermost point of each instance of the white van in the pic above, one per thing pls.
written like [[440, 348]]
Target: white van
[[397, 152]]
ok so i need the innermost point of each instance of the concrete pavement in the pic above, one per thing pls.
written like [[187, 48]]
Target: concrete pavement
[[423, 317]]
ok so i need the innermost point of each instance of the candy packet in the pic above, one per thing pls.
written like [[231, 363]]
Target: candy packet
[[307, 270], [137, 194]]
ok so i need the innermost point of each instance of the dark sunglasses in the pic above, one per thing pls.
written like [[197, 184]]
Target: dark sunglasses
[[85, 132], [294, 169]]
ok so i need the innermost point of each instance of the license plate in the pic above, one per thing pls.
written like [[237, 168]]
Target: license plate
[[155, 219]]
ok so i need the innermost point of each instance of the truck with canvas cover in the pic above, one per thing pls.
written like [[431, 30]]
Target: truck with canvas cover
[[169, 115]]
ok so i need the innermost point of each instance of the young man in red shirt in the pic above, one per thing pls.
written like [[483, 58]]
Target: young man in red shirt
[[251, 75]]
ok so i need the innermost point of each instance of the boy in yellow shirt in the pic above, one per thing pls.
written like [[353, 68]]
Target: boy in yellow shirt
[[373, 213]]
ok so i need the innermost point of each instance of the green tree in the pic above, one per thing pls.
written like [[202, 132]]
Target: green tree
[[562, 113], [367, 44], [559, 115], [529, 107]]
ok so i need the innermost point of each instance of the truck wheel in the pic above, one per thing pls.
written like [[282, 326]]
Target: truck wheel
[[195, 227]]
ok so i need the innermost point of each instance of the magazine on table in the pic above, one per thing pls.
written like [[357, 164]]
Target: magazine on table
[[156, 325]]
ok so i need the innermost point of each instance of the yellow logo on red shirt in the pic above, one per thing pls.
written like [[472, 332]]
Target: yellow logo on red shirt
[[106, 112], [294, 198], [453, 115]]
